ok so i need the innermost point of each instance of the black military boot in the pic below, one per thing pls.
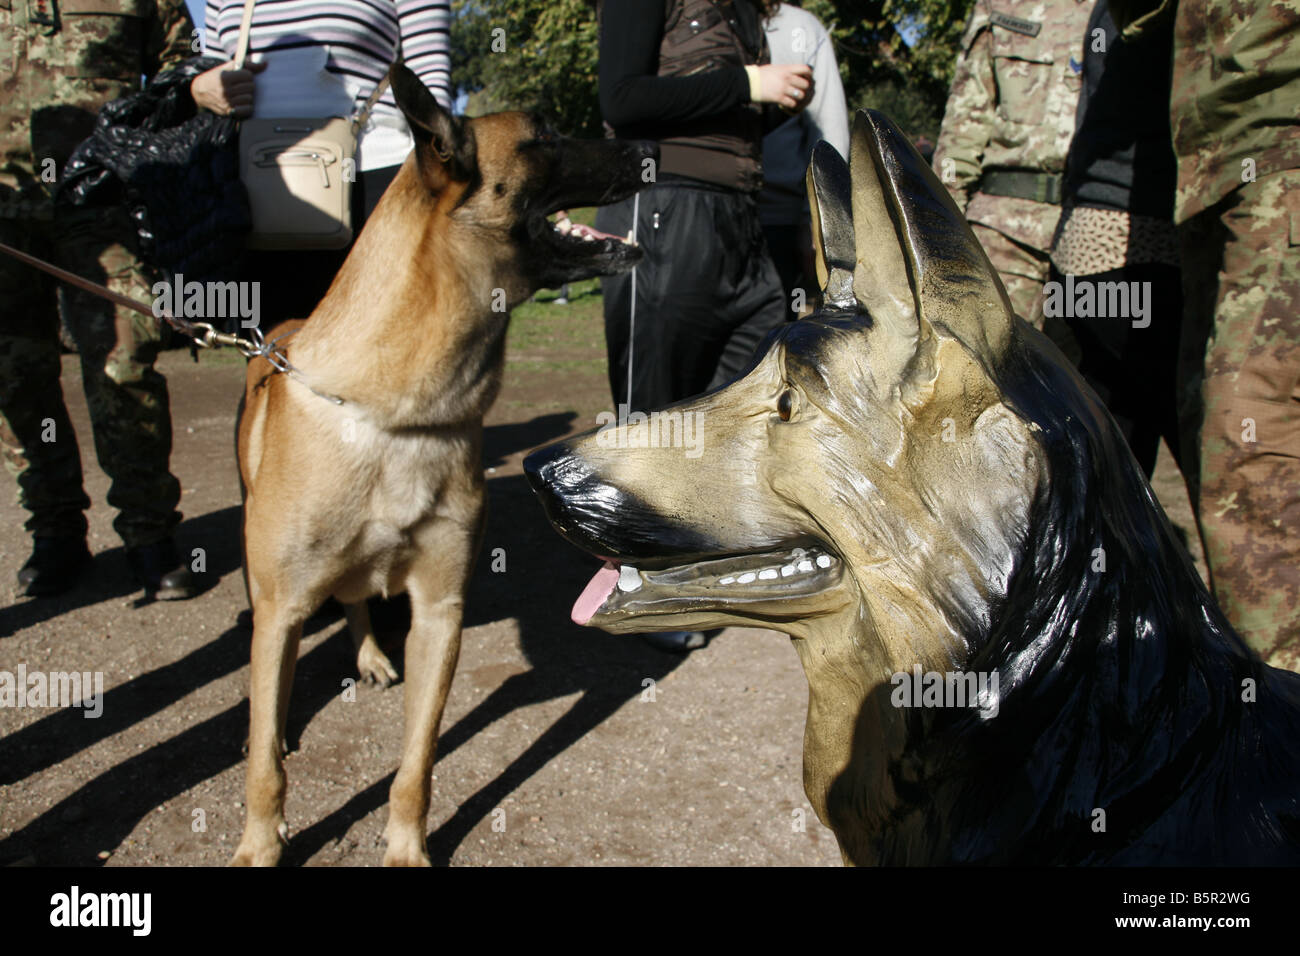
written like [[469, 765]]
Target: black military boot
[[159, 568], [54, 567]]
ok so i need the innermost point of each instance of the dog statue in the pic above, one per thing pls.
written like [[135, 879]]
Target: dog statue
[[361, 458], [1010, 657]]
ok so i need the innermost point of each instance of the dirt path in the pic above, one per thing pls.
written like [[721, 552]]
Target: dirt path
[[548, 723], [552, 751]]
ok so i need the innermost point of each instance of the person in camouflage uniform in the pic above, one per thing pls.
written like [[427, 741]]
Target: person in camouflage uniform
[[60, 61], [1235, 119], [1007, 129]]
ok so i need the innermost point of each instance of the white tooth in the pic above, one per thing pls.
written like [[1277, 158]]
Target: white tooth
[[823, 560], [629, 579], [767, 574], [727, 580], [747, 577], [805, 565], [787, 570]]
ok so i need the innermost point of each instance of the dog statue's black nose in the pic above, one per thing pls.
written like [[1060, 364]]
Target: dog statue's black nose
[[568, 492], [542, 466]]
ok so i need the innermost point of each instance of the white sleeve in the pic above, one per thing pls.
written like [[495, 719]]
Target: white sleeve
[[828, 110]]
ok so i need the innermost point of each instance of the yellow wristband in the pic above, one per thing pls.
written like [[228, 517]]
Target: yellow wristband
[[755, 88]]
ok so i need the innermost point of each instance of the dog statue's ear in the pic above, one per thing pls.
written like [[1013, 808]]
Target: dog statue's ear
[[830, 197], [882, 279], [896, 194], [444, 146]]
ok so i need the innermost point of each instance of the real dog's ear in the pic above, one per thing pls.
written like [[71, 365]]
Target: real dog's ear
[[954, 285], [444, 145], [830, 197]]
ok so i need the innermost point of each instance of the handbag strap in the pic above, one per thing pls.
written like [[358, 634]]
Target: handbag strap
[[245, 25], [362, 115]]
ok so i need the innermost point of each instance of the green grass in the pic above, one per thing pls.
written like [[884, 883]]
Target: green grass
[[539, 325], [544, 337]]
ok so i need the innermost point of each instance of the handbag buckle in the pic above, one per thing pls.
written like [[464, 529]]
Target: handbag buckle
[[292, 156]]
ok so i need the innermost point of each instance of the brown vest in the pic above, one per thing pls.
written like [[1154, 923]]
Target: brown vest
[[725, 149]]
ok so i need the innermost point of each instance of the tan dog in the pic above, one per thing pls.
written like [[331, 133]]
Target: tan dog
[[361, 466]]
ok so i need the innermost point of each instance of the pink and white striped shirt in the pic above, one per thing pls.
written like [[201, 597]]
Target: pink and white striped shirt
[[361, 38]]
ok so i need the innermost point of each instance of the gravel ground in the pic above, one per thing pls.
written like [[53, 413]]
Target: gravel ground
[[561, 745]]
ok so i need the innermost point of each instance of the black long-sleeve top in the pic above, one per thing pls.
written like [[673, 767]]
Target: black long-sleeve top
[[704, 121], [1122, 155], [632, 96]]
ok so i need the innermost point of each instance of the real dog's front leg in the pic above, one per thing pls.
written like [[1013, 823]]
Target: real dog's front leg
[[275, 651], [432, 648]]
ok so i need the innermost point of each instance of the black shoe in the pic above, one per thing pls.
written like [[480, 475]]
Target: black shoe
[[676, 642], [54, 567], [162, 573]]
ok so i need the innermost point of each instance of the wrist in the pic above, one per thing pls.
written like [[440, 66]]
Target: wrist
[[755, 84]]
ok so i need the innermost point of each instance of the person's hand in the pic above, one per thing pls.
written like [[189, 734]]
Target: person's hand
[[225, 90], [789, 85]]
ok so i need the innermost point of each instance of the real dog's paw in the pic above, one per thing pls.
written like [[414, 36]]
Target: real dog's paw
[[392, 858], [259, 855], [374, 666], [405, 850], [261, 850]]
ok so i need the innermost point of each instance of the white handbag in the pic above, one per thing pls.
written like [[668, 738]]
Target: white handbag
[[299, 172]]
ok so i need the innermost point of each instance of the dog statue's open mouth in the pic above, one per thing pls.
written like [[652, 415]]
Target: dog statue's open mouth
[[762, 586]]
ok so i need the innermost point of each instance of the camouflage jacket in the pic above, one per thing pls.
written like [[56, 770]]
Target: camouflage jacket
[[1235, 101], [60, 61], [1012, 106]]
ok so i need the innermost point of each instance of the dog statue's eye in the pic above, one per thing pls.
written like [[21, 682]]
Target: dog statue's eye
[[785, 405]]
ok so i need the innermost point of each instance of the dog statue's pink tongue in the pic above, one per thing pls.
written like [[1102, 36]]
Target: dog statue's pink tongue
[[594, 594]]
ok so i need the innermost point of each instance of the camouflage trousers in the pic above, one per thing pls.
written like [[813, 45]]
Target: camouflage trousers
[[1022, 269], [1239, 394], [127, 398]]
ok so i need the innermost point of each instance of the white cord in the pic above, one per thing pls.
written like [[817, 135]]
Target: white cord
[[631, 337]]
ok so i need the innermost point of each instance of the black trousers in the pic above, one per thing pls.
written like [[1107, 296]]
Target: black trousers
[[786, 246], [707, 293]]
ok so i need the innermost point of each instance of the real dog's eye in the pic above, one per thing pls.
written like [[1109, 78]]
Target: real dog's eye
[[785, 405]]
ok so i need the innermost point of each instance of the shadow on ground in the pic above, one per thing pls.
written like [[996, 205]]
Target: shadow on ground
[[109, 577], [543, 576]]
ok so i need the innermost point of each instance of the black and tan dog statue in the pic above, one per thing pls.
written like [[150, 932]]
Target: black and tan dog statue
[[1010, 657]]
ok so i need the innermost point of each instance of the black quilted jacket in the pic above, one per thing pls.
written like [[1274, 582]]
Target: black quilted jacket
[[176, 168]]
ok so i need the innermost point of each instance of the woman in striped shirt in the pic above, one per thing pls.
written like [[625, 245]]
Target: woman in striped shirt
[[324, 58]]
